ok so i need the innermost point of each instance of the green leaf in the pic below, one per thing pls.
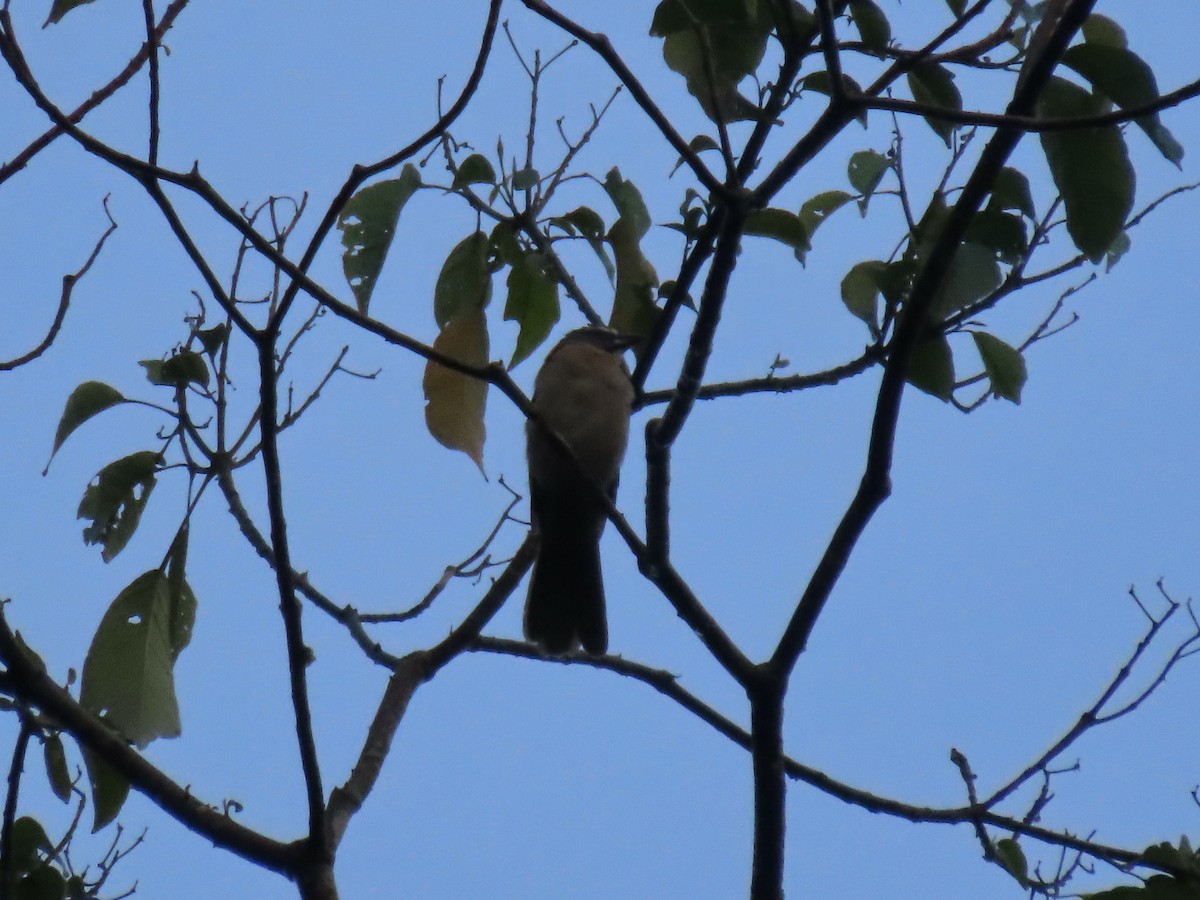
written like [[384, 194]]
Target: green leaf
[[128, 675], [1012, 858], [503, 246], [819, 208], [932, 84], [865, 171], [714, 44], [860, 290], [1004, 364], [181, 616], [1011, 190], [781, 225], [475, 169], [43, 883], [57, 772], [1124, 77], [115, 499], [1001, 232], [60, 9], [1157, 887], [524, 179], [932, 368], [464, 285], [628, 201], [1098, 29], [634, 311], [213, 339], [178, 370], [29, 840], [591, 226], [455, 403], [1118, 249], [973, 274], [109, 789], [368, 224], [821, 83], [871, 23], [532, 302], [87, 400], [1090, 167]]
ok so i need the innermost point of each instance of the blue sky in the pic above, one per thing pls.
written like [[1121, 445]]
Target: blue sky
[[984, 610]]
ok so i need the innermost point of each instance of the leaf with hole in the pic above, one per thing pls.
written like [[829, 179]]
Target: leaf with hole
[[532, 303], [865, 171], [368, 225], [128, 675], [115, 499]]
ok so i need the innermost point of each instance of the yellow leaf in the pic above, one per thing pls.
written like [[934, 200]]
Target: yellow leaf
[[455, 402]]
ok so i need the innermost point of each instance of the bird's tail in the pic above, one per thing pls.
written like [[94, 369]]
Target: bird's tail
[[565, 608]]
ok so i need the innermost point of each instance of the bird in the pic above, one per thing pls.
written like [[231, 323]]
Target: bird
[[583, 394]]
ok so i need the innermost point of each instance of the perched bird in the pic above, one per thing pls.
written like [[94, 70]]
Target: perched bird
[[583, 394]]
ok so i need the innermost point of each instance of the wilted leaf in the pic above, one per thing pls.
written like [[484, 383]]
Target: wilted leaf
[[532, 303], [1090, 167], [128, 677], [933, 85], [932, 368], [115, 499], [455, 402], [87, 400], [475, 169], [368, 224], [464, 285]]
